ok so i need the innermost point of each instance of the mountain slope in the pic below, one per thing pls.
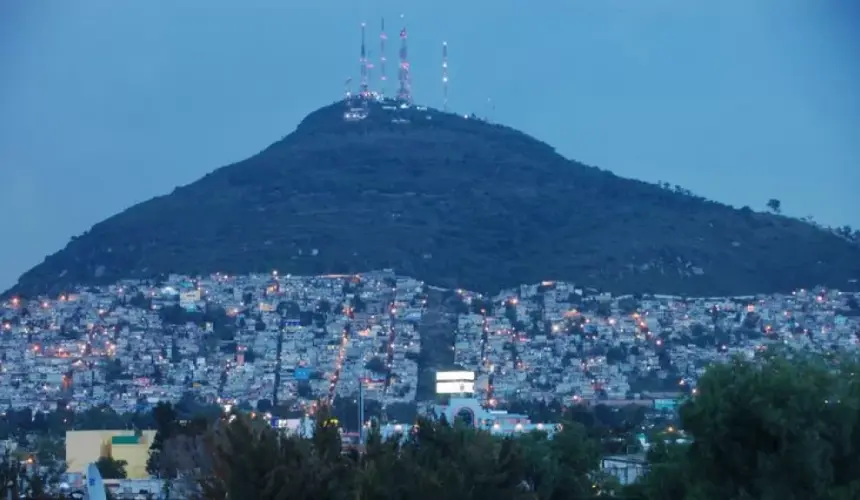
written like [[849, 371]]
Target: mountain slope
[[454, 201]]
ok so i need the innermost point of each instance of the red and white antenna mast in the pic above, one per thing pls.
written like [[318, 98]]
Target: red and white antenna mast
[[370, 92], [445, 76], [363, 89], [404, 93], [382, 77]]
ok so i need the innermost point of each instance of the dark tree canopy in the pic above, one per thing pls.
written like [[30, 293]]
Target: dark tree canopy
[[111, 469], [782, 429]]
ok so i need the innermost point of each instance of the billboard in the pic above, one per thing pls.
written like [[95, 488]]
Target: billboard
[[455, 387], [666, 404], [454, 376], [302, 373]]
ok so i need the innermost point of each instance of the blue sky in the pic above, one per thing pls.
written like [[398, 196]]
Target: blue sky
[[104, 104]]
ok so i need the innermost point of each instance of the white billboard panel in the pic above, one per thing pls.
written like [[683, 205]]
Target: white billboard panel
[[454, 376], [455, 387]]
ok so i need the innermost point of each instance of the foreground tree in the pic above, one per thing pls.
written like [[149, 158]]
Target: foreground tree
[[786, 427], [24, 479], [12, 475], [110, 468], [782, 427], [246, 458], [242, 457]]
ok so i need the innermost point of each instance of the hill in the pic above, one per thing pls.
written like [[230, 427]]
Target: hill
[[454, 201]]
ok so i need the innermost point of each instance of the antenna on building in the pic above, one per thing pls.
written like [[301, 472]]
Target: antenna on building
[[382, 39], [404, 93], [445, 76]]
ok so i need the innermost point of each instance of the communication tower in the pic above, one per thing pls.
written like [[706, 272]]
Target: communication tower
[[445, 76], [363, 66], [404, 93], [370, 91], [382, 77]]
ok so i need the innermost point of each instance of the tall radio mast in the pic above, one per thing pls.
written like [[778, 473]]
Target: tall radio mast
[[445, 76], [363, 62], [404, 93], [382, 77]]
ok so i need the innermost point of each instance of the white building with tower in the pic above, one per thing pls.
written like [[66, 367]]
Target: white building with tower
[[464, 407]]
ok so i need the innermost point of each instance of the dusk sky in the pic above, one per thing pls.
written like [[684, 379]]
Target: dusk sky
[[104, 104]]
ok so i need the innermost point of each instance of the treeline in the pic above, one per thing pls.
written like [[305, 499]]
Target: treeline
[[780, 427], [783, 427], [243, 457], [18, 424]]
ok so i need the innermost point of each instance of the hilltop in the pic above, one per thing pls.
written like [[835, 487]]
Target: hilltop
[[457, 202]]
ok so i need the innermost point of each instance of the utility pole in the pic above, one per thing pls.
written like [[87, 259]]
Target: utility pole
[[361, 412], [280, 345]]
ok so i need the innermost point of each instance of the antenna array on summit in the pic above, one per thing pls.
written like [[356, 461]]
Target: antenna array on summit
[[358, 103]]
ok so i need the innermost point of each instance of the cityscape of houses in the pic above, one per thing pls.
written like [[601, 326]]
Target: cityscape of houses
[[269, 339]]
